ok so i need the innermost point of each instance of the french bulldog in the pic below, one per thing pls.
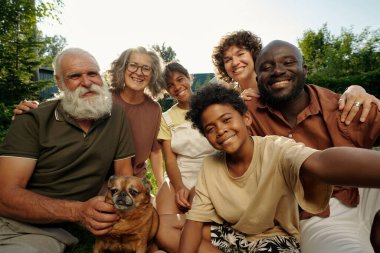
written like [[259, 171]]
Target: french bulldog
[[138, 222]]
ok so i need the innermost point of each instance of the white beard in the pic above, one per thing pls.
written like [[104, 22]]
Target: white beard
[[92, 107]]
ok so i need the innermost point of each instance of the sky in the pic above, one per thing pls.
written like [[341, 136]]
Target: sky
[[192, 28]]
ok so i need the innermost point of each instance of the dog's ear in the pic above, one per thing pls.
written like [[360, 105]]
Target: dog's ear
[[147, 184], [110, 180]]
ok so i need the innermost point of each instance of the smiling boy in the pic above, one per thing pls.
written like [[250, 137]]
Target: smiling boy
[[250, 191]]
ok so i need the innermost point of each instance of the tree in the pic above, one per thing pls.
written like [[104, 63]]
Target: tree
[[339, 61], [51, 46], [19, 47], [342, 55], [167, 53]]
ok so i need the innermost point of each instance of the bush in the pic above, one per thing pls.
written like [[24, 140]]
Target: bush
[[5, 120], [370, 81]]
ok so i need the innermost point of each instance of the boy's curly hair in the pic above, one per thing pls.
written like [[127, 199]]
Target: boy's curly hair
[[241, 39], [213, 93]]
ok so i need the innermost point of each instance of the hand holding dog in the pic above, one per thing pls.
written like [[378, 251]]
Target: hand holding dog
[[97, 216], [138, 224]]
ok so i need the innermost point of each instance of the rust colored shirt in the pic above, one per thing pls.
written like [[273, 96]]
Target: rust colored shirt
[[144, 119], [318, 126]]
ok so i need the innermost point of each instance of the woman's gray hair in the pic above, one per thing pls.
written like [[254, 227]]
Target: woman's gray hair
[[69, 51], [117, 72]]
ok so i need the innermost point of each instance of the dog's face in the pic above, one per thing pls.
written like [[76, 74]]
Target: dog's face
[[128, 192], [138, 223]]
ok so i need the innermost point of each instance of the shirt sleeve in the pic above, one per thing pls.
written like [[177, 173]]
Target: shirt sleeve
[[294, 156], [126, 146], [164, 133], [364, 134], [156, 145], [22, 139]]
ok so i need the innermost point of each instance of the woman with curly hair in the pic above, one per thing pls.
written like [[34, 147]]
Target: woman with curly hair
[[234, 60], [136, 72]]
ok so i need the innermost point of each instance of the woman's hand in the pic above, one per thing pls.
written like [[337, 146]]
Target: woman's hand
[[24, 106], [247, 94], [352, 99]]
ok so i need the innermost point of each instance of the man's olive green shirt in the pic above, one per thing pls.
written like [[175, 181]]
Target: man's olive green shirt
[[71, 164]]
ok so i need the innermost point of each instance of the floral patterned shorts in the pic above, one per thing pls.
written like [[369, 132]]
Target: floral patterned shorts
[[229, 240]]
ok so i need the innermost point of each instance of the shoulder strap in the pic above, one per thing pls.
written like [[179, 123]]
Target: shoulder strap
[[167, 119]]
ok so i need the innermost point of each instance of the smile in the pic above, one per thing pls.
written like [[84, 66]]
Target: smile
[[238, 70], [137, 79], [226, 140], [280, 84], [181, 93]]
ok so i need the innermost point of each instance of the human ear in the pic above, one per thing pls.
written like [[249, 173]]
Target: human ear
[[305, 70], [247, 118]]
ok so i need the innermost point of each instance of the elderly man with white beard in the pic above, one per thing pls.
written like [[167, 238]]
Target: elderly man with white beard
[[55, 159]]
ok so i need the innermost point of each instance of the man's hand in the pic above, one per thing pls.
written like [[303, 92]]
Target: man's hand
[[97, 216]]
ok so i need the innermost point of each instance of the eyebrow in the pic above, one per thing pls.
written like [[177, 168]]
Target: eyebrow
[[90, 72], [221, 116]]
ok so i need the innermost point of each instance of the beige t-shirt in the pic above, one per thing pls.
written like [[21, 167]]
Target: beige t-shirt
[[264, 201]]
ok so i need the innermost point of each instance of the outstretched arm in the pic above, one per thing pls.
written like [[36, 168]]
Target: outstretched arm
[[356, 94], [343, 166], [96, 215]]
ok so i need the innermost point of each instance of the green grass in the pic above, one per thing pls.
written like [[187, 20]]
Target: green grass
[[86, 240]]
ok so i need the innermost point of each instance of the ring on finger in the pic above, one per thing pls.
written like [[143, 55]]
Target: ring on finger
[[357, 103]]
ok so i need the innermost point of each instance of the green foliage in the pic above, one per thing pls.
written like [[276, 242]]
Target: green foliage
[[5, 116], [201, 79], [339, 61], [166, 102], [51, 46], [342, 55], [370, 81], [19, 50], [86, 239], [167, 53]]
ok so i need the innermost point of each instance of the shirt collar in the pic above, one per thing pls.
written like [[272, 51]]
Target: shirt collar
[[313, 107]]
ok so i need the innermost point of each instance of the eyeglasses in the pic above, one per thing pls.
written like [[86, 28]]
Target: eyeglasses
[[133, 67]]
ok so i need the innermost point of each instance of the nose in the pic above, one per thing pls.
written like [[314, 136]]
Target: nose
[[278, 69], [86, 81], [219, 129], [140, 70], [176, 86], [235, 60]]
